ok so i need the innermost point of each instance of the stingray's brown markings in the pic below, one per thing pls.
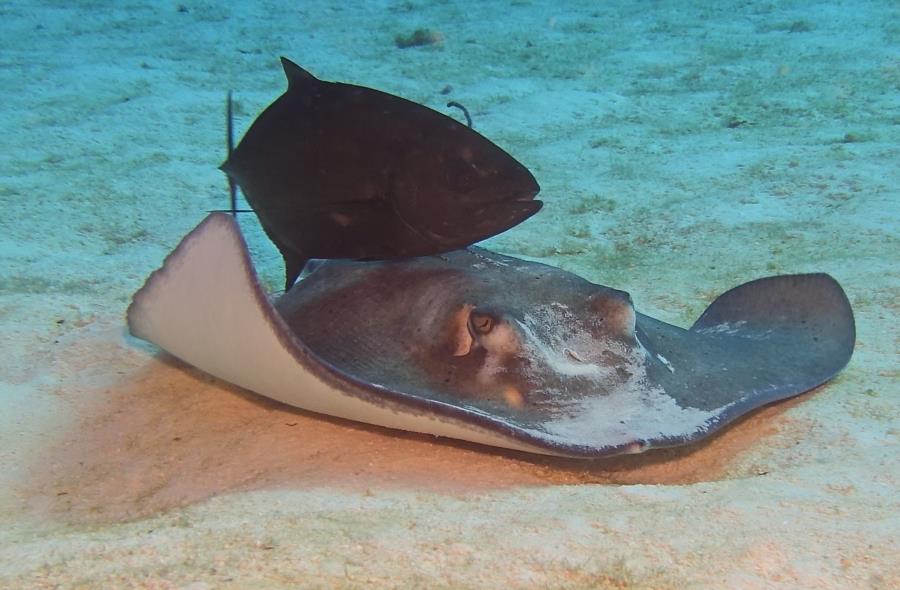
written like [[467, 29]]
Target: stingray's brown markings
[[335, 170]]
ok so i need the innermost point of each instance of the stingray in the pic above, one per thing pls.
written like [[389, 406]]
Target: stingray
[[334, 170], [489, 348]]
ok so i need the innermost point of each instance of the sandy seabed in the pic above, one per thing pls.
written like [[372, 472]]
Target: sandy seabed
[[681, 150]]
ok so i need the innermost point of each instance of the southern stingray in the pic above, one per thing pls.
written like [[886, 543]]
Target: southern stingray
[[335, 170], [489, 348]]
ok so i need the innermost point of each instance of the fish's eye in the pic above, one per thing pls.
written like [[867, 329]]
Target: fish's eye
[[481, 323]]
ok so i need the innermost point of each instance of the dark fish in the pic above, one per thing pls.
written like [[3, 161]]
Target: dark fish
[[335, 170]]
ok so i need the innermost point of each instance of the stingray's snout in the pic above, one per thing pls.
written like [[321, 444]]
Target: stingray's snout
[[615, 310]]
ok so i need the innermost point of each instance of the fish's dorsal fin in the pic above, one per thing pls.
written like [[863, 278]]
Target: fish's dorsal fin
[[295, 73]]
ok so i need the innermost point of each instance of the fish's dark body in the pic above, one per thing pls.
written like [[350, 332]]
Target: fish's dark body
[[334, 170]]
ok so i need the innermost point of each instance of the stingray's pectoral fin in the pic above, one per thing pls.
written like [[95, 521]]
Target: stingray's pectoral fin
[[806, 311], [206, 307]]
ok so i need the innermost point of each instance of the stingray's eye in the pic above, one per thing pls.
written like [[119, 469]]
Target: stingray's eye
[[462, 338], [481, 323], [495, 332]]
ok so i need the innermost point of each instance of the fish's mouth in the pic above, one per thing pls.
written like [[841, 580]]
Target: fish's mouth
[[524, 191], [523, 196], [489, 195], [523, 202]]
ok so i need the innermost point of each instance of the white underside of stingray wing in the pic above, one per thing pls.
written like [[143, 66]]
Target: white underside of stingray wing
[[205, 306]]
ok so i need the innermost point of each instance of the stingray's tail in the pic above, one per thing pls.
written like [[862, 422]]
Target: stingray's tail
[[229, 139]]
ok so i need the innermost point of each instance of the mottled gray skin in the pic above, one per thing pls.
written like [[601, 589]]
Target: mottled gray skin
[[488, 330], [334, 170], [531, 346]]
